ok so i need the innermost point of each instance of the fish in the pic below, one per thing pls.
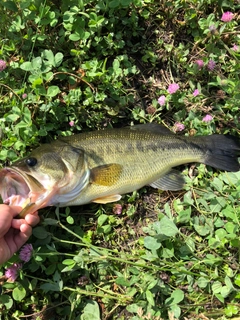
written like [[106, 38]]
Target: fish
[[100, 166]]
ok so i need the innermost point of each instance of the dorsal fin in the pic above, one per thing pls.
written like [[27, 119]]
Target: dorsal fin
[[152, 127]]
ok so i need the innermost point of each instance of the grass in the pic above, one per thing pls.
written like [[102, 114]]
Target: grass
[[76, 66]]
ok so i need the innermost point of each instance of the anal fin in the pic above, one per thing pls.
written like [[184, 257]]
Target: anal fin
[[173, 181], [108, 199]]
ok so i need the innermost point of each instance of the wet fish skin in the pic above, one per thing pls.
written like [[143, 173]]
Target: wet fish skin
[[147, 155], [100, 166]]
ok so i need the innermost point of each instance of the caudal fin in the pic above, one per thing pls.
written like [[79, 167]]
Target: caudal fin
[[222, 152]]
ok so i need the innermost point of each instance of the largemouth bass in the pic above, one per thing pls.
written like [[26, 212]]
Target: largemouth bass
[[100, 166]]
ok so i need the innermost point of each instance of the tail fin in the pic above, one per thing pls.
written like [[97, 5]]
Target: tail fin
[[222, 152]]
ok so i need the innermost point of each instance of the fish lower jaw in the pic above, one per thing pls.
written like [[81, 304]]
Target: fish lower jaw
[[17, 200], [22, 201]]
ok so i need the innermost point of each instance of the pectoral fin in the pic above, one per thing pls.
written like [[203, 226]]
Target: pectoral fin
[[173, 181], [108, 199], [106, 175]]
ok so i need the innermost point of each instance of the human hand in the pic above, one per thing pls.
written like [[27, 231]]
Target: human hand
[[14, 232]]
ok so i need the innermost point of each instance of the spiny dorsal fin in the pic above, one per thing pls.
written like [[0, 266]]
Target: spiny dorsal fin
[[106, 175], [152, 127], [108, 199], [172, 181]]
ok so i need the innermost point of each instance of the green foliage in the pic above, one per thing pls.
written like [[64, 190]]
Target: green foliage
[[81, 65]]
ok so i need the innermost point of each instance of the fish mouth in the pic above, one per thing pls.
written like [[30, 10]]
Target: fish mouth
[[18, 188]]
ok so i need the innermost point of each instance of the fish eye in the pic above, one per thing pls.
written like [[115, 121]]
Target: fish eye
[[31, 162]]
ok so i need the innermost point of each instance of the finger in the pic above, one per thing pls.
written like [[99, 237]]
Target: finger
[[14, 210], [15, 239], [32, 219], [16, 223], [6, 215], [23, 235], [26, 230]]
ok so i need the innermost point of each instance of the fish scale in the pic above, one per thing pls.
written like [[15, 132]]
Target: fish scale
[[146, 158], [100, 166]]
